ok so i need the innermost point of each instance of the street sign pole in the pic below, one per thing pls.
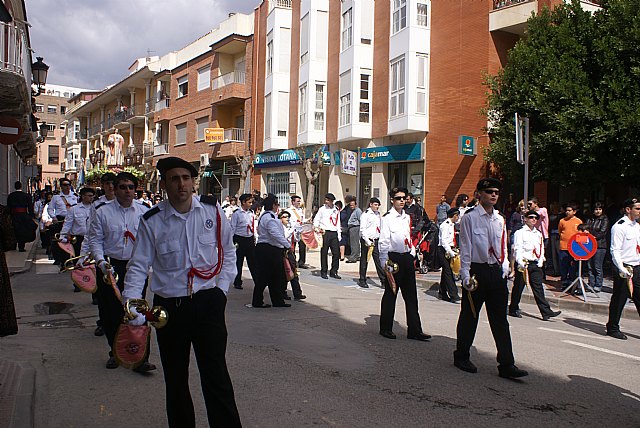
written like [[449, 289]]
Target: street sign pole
[[526, 159]]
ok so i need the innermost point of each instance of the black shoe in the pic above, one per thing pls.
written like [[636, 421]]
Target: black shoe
[[287, 297], [516, 314], [145, 367], [617, 335], [363, 284], [283, 305], [335, 275], [455, 300], [352, 261], [324, 276], [300, 297], [99, 331], [551, 315], [387, 334], [465, 366], [261, 306], [238, 287], [22, 250], [303, 266], [420, 336], [511, 372], [112, 363]]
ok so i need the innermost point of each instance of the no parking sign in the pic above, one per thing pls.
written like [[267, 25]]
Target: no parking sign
[[582, 246]]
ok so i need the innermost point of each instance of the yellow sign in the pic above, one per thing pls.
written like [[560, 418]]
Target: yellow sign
[[213, 135]]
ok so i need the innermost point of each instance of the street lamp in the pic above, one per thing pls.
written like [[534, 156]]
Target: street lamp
[[44, 131], [99, 156], [128, 160], [39, 70], [92, 158]]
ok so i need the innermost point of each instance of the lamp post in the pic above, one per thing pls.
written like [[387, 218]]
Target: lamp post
[[39, 70], [99, 156], [44, 131]]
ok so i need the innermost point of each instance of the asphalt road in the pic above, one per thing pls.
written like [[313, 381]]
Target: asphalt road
[[322, 363]]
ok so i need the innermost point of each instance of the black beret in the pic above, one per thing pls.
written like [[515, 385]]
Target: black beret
[[330, 196], [124, 176], [108, 176], [165, 164], [452, 211], [532, 212], [489, 183], [374, 200], [629, 203]]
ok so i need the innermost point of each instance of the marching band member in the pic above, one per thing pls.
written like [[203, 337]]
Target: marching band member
[[369, 235], [483, 249], [269, 253], [625, 253], [75, 224], [395, 246], [291, 235], [327, 222], [188, 242], [113, 235], [243, 229], [297, 219], [528, 245], [447, 251], [58, 212]]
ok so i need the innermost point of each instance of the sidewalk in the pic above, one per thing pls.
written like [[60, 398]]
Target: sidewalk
[[21, 262], [596, 303]]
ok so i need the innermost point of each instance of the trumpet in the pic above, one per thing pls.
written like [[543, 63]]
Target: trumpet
[[107, 276], [157, 315], [70, 265], [56, 238], [394, 268]]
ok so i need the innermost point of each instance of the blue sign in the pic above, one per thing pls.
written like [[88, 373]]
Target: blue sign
[[285, 157], [466, 145], [403, 152], [582, 246]]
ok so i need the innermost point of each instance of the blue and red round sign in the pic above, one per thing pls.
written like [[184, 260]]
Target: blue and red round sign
[[582, 246]]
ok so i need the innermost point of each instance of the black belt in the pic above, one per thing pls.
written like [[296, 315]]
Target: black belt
[[178, 300], [399, 254], [114, 261]]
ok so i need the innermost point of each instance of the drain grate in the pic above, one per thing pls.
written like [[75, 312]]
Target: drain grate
[[52, 308]]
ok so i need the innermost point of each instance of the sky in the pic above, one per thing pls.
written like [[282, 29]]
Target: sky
[[90, 44]]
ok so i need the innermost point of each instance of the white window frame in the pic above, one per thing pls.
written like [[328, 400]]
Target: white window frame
[[183, 86], [267, 116], [399, 16], [52, 109], [347, 29], [365, 97], [269, 54], [345, 99], [318, 117], [302, 108], [397, 75], [181, 128], [422, 16], [204, 78], [422, 78], [304, 39]]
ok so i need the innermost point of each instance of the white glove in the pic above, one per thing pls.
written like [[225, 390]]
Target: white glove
[[625, 273], [140, 319], [452, 254], [389, 268], [505, 271], [367, 242], [64, 239], [465, 283], [80, 262], [103, 267]]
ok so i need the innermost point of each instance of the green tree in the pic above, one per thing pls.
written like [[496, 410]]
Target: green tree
[[575, 75]]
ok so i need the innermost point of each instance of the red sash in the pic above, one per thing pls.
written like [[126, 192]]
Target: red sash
[[214, 270], [129, 235], [251, 226], [334, 222], [493, 252]]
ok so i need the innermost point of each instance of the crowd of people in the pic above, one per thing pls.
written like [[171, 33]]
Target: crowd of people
[[196, 246]]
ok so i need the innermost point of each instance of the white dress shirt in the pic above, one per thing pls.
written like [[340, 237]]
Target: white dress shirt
[[229, 210], [291, 234], [76, 221], [270, 231], [625, 243], [60, 204], [86, 243], [482, 240], [173, 243], [395, 235], [109, 228], [328, 219], [446, 236], [370, 225], [296, 217], [528, 244], [243, 223]]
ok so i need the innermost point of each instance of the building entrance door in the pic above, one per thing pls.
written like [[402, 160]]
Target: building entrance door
[[278, 184], [365, 188]]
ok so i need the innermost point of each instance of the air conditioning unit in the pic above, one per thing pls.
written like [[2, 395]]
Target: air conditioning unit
[[204, 159]]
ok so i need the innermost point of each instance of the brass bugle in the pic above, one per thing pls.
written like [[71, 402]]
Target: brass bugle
[[106, 277], [472, 285], [56, 238], [70, 263], [521, 269], [629, 270], [157, 315], [394, 266]]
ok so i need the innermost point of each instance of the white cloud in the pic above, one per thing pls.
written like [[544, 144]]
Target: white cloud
[[91, 43]]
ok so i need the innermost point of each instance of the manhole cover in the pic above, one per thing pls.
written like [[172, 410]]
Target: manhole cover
[[51, 308]]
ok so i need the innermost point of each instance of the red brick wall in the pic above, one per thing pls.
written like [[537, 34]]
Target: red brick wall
[[380, 101], [294, 75], [333, 72]]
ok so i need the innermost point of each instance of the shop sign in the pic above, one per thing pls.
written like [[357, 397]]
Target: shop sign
[[466, 145], [403, 152], [348, 162], [285, 157], [213, 135]]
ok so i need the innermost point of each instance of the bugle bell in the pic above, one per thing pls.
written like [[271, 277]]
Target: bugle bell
[[629, 272], [107, 276], [523, 266], [70, 264], [472, 285], [157, 315], [454, 261], [56, 238], [393, 265]]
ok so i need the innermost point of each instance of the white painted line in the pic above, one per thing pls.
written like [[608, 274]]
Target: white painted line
[[606, 351], [571, 333], [626, 394]]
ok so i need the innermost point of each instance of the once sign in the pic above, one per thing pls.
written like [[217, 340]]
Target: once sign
[[582, 246], [10, 130]]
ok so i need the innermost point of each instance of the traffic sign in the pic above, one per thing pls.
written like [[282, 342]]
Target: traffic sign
[[213, 135], [582, 246], [10, 130]]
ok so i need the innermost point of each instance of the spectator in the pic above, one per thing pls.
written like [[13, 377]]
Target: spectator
[[554, 238], [515, 223], [354, 231], [441, 209], [344, 228], [233, 206], [568, 227], [8, 319], [598, 225]]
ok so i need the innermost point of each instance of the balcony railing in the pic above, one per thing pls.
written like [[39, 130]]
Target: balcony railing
[[13, 47], [95, 129], [234, 134], [280, 3], [73, 164], [160, 149], [153, 105], [79, 135], [499, 4], [236, 76]]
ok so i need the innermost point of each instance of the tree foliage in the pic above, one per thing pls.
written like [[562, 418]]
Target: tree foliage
[[576, 75]]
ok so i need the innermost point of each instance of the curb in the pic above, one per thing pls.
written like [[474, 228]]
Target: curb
[[19, 381], [28, 261]]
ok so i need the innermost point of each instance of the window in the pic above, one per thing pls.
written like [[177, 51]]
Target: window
[[62, 127], [283, 113], [204, 78], [422, 14], [364, 98], [322, 27], [54, 155], [302, 107], [51, 128], [270, 53], [267, 117], [304, 39], [397, 87], [421, 85], [318, 117], [181, 134], [284, 50], [39, 108], [63, 109], [347, 29], [399, 15], [52, 109], [183, 86], [345, 98], [201, 123]]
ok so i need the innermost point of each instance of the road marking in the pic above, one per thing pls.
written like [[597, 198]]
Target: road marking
[[626, 394], [606, 351], [590, 336]]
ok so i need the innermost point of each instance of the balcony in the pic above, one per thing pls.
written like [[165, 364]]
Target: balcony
[[229, 78], [285, 4], [160, 149], [78, 135], [233, 134], [72, 165], [230, 88], [511, 15], [95, 129], [155, 105]]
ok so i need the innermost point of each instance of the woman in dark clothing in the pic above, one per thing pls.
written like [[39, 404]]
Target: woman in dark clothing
[[344, 228], [8, 321], [598, 226]]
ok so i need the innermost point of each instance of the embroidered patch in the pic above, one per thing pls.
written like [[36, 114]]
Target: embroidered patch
[[208, 224]]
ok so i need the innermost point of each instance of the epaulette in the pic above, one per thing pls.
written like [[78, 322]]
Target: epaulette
[[73, 205], [621, 221], [101, 204], [152, 211], [209, 200], [385, 214], [469, 210]]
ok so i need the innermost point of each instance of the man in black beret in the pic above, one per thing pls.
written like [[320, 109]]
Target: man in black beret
[[327, 222], [165, 164]]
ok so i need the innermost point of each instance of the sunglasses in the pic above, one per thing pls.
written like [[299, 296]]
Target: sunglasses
[[399, 198], [126, 186], [491, 192], [532, 217]]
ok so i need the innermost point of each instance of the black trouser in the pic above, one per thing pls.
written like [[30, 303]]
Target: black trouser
[[302, 260], [270, 274], [535, 281], [330, 240], [354, 240], [406, 281], [448, 289], [110, 309], [492, 290], [364, 250], [78, 245], [295, 282], [199, 321], [620, 296], [59, 255], [45, 239], [246, 248]]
